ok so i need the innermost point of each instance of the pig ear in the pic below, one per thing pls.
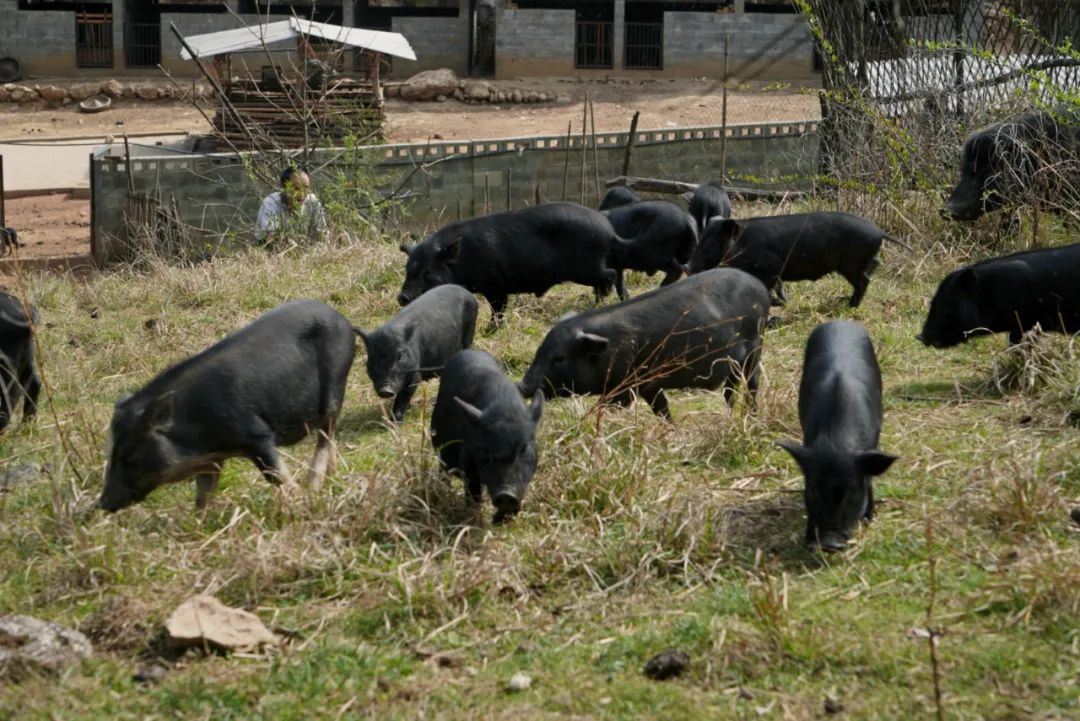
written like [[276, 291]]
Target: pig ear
[[406, 249], [590, 342], [473, 413], [797, 451], [536, 408], [449, 252], [873, 463], [159, 413]]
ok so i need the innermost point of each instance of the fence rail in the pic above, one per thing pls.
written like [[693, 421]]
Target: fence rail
[[644, 48]]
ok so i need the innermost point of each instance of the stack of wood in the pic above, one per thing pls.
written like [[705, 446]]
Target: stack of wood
[[272, 114]]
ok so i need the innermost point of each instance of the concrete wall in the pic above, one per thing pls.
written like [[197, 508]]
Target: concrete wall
[[215, 193], [535, 42], [760, 45], [43, 41], [439, 42]]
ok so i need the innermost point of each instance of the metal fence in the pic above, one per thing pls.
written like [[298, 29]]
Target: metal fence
[[142, 44], [593, 44], [644, 49], [93, 40]]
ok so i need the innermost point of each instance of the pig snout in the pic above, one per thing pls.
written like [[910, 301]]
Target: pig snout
[[111, 503], [832, 541], [386, 391], [507, 505], [404, 298]]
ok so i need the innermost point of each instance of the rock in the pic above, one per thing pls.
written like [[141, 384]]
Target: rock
[[19, 474], [459, 95], [515, 96], [667, 664], [429, 84], [203, 620], [82, 91], [146, 92], [534, 96], [563, 98], [391, 91], [129, 91], [51, 93], [500, 97], [519, 682], [29, 645], [477, 90], [22, 94], [4, 94], [440, 98], [112, 88]]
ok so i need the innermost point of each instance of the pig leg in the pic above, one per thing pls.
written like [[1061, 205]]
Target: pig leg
[[659, 405], [861, 281], [674, 270], [267, 460], [779, 294], [323, 458], [620, 285], [33, 388], [205, 487], [498, 306], [401, 402]]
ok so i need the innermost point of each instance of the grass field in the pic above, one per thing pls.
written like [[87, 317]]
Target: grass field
[[636, 535]]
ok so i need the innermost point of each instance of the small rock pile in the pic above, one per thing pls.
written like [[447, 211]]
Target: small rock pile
[[59, 94], [441, 85]]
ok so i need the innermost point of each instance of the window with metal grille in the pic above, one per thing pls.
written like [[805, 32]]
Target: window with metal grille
[[93, 39], [142, 44]]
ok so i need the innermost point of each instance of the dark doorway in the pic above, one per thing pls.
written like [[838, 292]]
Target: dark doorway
[[93, 36], [593, 46], [482, 61], [643, 46], [142, 34]]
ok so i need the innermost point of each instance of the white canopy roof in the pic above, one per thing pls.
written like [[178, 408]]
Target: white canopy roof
[[253, 36]]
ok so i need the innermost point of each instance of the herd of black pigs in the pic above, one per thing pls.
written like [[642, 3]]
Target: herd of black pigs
[[283, 377]]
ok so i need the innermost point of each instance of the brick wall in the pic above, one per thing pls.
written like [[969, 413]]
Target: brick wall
[[533, 42], [760, 45], [439, 42], [43, 41]]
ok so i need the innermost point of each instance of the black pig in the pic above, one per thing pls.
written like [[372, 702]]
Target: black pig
[[840, 413], [707, 202], [415, 344], [485, 432], [617, 197], [1010, 295], [654, 235], [19, 379], [702, 332], [267, 385]]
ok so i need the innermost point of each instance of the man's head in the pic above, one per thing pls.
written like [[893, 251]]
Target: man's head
[[295, 185]]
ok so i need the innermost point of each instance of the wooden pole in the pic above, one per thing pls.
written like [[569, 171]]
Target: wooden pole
[[566, 167], [723, 117], [584, 144], [630, 143], [595, 152]]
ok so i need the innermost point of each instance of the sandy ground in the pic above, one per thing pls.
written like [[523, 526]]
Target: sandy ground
[[56, 225]]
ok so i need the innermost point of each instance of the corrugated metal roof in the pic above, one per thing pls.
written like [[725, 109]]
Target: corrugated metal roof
[[253, 36]]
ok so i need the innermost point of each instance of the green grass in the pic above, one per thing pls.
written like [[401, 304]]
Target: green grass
[[636, 534]]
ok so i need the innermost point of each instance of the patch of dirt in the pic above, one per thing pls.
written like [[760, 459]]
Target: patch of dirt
[[134, 116], [50, 227]]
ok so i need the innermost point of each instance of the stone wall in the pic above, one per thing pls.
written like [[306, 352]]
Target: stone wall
[[43, 41], [472, 178]]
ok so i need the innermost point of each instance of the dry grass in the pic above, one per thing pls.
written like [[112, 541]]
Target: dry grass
[[636, 534]]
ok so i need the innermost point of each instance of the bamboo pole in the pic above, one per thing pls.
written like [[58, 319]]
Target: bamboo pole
[[584, 145], [566, 167], [595, 152], [723, 117]]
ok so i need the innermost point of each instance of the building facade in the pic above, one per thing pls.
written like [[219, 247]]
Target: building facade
[[492, 38]]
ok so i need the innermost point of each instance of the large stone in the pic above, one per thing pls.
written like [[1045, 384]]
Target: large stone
[[477, 90], [23, 94], [51, 93], [204, 621], [515, 96], [32, 646], [146, 92], [429, 84], [82, 91], [112, 88], [4, 94]]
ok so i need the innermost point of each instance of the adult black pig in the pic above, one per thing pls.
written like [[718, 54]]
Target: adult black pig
[[267, 385], [803, 246], [709, 201], [519, 251], [617, 197], [653, 235], [19, 379], [840, 413], [702, 332], [485, 432], [1010, 295], [1033, 158], [415, 344]]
